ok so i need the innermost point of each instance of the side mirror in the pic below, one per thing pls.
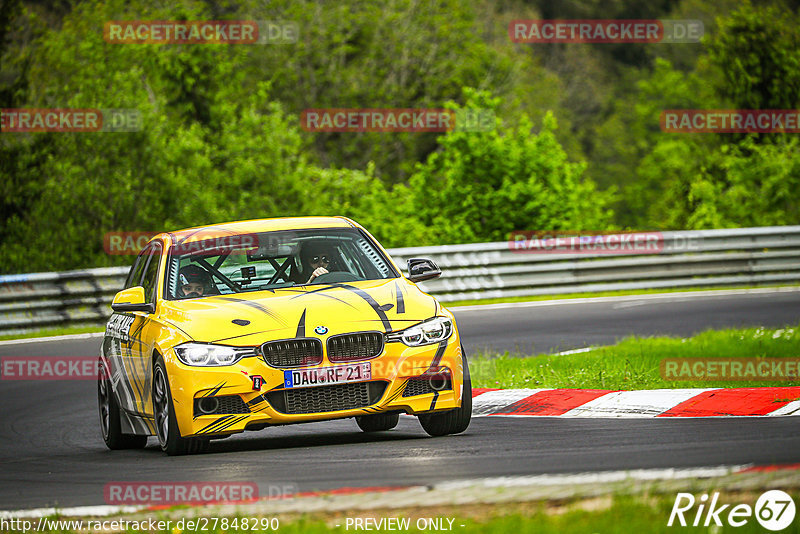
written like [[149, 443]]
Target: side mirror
[[131, 300], [420, 269]]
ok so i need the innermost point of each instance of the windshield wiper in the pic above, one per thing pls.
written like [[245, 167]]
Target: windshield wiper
[[280, 285]]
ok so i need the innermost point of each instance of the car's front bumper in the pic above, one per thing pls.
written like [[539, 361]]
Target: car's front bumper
[[396, 367]]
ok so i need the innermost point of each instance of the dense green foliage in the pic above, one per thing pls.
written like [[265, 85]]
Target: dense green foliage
[[577, 142]]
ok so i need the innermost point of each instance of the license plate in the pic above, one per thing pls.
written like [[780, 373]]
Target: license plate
[[323, 376]]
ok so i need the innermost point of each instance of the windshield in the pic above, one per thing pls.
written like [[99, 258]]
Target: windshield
[[270, 260]]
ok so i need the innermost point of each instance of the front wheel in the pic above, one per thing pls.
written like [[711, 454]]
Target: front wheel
[[169, 437], [453, 421], [110, 423], [377, 422]]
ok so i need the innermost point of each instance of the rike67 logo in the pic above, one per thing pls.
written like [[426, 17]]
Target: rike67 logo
[[774, 510]]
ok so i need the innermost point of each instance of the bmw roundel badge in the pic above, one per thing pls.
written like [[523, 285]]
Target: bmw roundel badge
[[321, 330]]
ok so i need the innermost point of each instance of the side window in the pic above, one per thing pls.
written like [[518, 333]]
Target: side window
[[135, 275], [151, 273]]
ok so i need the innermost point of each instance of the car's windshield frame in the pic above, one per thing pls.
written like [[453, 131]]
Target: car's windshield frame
[[174, 259]]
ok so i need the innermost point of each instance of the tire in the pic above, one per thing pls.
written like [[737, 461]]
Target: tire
[[169, 437], [454, 421], [110, 423], [378, 422]]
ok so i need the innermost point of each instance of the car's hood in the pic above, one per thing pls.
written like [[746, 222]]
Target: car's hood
[[253, 318]]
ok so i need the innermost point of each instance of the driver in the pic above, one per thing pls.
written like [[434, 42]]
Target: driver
[[316, 259], [193, 281]]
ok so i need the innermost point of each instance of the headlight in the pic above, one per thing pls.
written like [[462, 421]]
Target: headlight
[[431, 331], [203, 355]]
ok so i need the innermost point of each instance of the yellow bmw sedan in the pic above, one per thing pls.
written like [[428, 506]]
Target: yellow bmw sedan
[[244, 325]]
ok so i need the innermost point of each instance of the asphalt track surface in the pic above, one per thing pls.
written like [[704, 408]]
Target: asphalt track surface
[[51, 453]]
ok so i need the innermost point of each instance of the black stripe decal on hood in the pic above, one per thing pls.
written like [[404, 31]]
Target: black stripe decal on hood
[[257, 306], [361, 293], [318, 291], [301, 326], [371, 301]]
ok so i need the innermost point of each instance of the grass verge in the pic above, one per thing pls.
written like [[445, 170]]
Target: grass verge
[[635, 362], [603, 514]]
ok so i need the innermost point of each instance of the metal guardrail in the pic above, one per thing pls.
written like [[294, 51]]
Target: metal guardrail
[[708, 258]]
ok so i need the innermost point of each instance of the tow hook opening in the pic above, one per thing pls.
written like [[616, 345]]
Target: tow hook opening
[[440, 380], [208, 405]]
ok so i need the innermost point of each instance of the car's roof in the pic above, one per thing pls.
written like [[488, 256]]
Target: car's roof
[[259, 225]]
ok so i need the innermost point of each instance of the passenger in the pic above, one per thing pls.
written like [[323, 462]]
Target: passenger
[[194, 281]]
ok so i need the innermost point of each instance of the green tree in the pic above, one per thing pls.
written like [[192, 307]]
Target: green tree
[[725, 180], [202, 156], [733, 185], [758, 51], [394, 54], [481, 186]]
